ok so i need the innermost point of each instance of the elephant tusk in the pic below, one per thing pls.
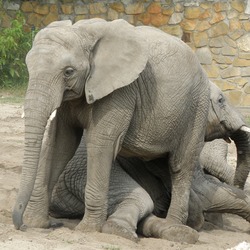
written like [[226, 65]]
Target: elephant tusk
[[245, 128], [22, 116], [53, 115]]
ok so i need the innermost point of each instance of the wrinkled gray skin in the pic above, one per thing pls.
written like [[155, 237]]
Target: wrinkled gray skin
[[218, 165], [122, 84], [130, 201]]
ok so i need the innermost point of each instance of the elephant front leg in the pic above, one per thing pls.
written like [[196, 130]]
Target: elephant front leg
[[96, 190], [181, 184], [181, 169]]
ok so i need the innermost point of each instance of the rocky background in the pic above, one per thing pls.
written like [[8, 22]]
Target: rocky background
[[218, 31]]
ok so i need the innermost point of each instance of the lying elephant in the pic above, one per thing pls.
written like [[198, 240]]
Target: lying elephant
[[136, 195]]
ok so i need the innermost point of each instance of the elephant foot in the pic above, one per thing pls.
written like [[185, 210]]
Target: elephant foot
[[44, 224], [40, 222], [85, 227], [111, 227], [180, 233], [153, 226]]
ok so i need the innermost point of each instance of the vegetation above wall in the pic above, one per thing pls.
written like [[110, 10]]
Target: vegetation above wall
[[14, 45]]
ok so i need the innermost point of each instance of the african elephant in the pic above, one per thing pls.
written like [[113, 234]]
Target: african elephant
[[137, 196], [223, 122], [207, 193], [122, 84]]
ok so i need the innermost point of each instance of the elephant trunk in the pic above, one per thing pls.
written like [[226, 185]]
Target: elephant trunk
[[38, 108], [242, 142]]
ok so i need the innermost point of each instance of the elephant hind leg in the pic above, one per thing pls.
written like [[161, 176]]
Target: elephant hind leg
[[123, 222], [215, 219], [127, 212]]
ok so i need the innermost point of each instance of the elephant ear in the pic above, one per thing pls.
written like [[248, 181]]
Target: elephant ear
[[119, 55]]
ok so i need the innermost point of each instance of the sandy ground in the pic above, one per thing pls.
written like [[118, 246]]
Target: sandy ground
[[235, 231]]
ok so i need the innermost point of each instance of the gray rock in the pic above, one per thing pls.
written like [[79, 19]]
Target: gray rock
[[12, 5], [176, 18]]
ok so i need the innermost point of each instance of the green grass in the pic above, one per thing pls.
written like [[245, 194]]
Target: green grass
[[12, 95]]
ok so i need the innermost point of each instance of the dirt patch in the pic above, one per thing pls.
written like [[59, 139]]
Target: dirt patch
[[236, 229]]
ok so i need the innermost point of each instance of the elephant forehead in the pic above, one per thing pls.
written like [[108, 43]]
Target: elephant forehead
[[214, 91], [60, 36]]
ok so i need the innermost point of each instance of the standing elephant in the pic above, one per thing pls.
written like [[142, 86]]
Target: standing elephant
[[140, 196], [123, 84]]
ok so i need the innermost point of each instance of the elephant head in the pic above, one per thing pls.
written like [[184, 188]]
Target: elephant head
[[224, 121], [63, 65]]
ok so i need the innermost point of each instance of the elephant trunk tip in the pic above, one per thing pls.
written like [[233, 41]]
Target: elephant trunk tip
[[245, 128], [17, 216]]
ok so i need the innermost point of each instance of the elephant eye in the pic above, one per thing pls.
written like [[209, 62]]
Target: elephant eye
[[68, 72], [221, 99]]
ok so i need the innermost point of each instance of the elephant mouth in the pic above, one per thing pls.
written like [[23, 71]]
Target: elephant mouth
[[224, 133]]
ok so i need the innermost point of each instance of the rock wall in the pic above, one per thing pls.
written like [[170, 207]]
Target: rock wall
[[218, 31]]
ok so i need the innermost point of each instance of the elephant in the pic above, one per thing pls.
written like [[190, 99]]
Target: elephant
[[136, 197], [123, 86], [129, 201], [222, 120]]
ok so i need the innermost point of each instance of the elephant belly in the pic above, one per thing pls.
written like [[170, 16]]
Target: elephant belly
[[156, 132], [164, 114], [150, 140]]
